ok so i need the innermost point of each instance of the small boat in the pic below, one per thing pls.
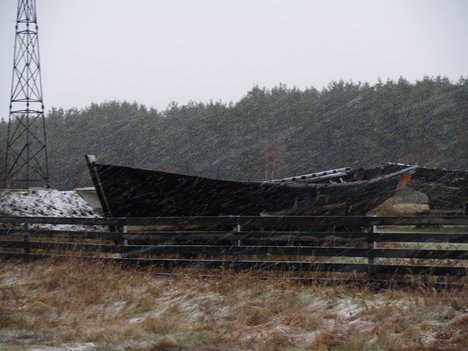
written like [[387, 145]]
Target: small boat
[[132, 192], [445, 189]]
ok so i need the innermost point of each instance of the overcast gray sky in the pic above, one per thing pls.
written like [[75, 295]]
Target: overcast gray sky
[[154, 51]]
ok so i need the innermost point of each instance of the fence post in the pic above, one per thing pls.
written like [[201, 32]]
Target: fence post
[[371, 245], [123, 229], [237, 229], [26, 238]]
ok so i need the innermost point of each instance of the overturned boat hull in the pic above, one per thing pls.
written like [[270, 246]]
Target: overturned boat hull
[[132, 192]]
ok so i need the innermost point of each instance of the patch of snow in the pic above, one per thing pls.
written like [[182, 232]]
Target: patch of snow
[[136, 320], [119, 305], [427, 337], [68, 347], [347, 309]]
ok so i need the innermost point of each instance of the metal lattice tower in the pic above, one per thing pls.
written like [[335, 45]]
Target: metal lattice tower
[[26, 151]]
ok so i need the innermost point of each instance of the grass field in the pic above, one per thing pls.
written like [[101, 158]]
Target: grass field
[[78, 305]]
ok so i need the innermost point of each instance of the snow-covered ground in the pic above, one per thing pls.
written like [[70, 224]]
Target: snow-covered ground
[[44, 203]]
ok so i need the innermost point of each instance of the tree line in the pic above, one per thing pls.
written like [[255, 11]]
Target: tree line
[[269, 133]]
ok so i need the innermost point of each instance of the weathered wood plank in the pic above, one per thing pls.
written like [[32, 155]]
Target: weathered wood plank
[[64, 220], [41, 233], [353, 221], [422, 238], [283, 236], [39, 245], [222, 250]]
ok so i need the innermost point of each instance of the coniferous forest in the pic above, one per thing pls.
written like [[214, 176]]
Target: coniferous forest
[[269, 133]]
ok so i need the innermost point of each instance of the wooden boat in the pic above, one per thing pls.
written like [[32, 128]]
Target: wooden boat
[[445, 189], [132, 192]]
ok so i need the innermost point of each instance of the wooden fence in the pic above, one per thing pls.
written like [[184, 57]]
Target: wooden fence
[[387, 249]]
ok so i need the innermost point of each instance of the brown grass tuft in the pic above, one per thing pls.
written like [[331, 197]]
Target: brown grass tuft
[[461, 320], [327, 339], [165, 344], [278, 339]]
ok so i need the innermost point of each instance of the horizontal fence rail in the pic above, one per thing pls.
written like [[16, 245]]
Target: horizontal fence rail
[[429, 249], [246, 220]]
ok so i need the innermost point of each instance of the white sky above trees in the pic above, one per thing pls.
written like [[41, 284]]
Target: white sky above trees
[[155, 52]]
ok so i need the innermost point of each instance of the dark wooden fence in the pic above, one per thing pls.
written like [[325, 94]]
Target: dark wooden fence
[[412, 249]]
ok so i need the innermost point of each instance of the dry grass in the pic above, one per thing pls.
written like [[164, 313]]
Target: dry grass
[[62, 305]]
